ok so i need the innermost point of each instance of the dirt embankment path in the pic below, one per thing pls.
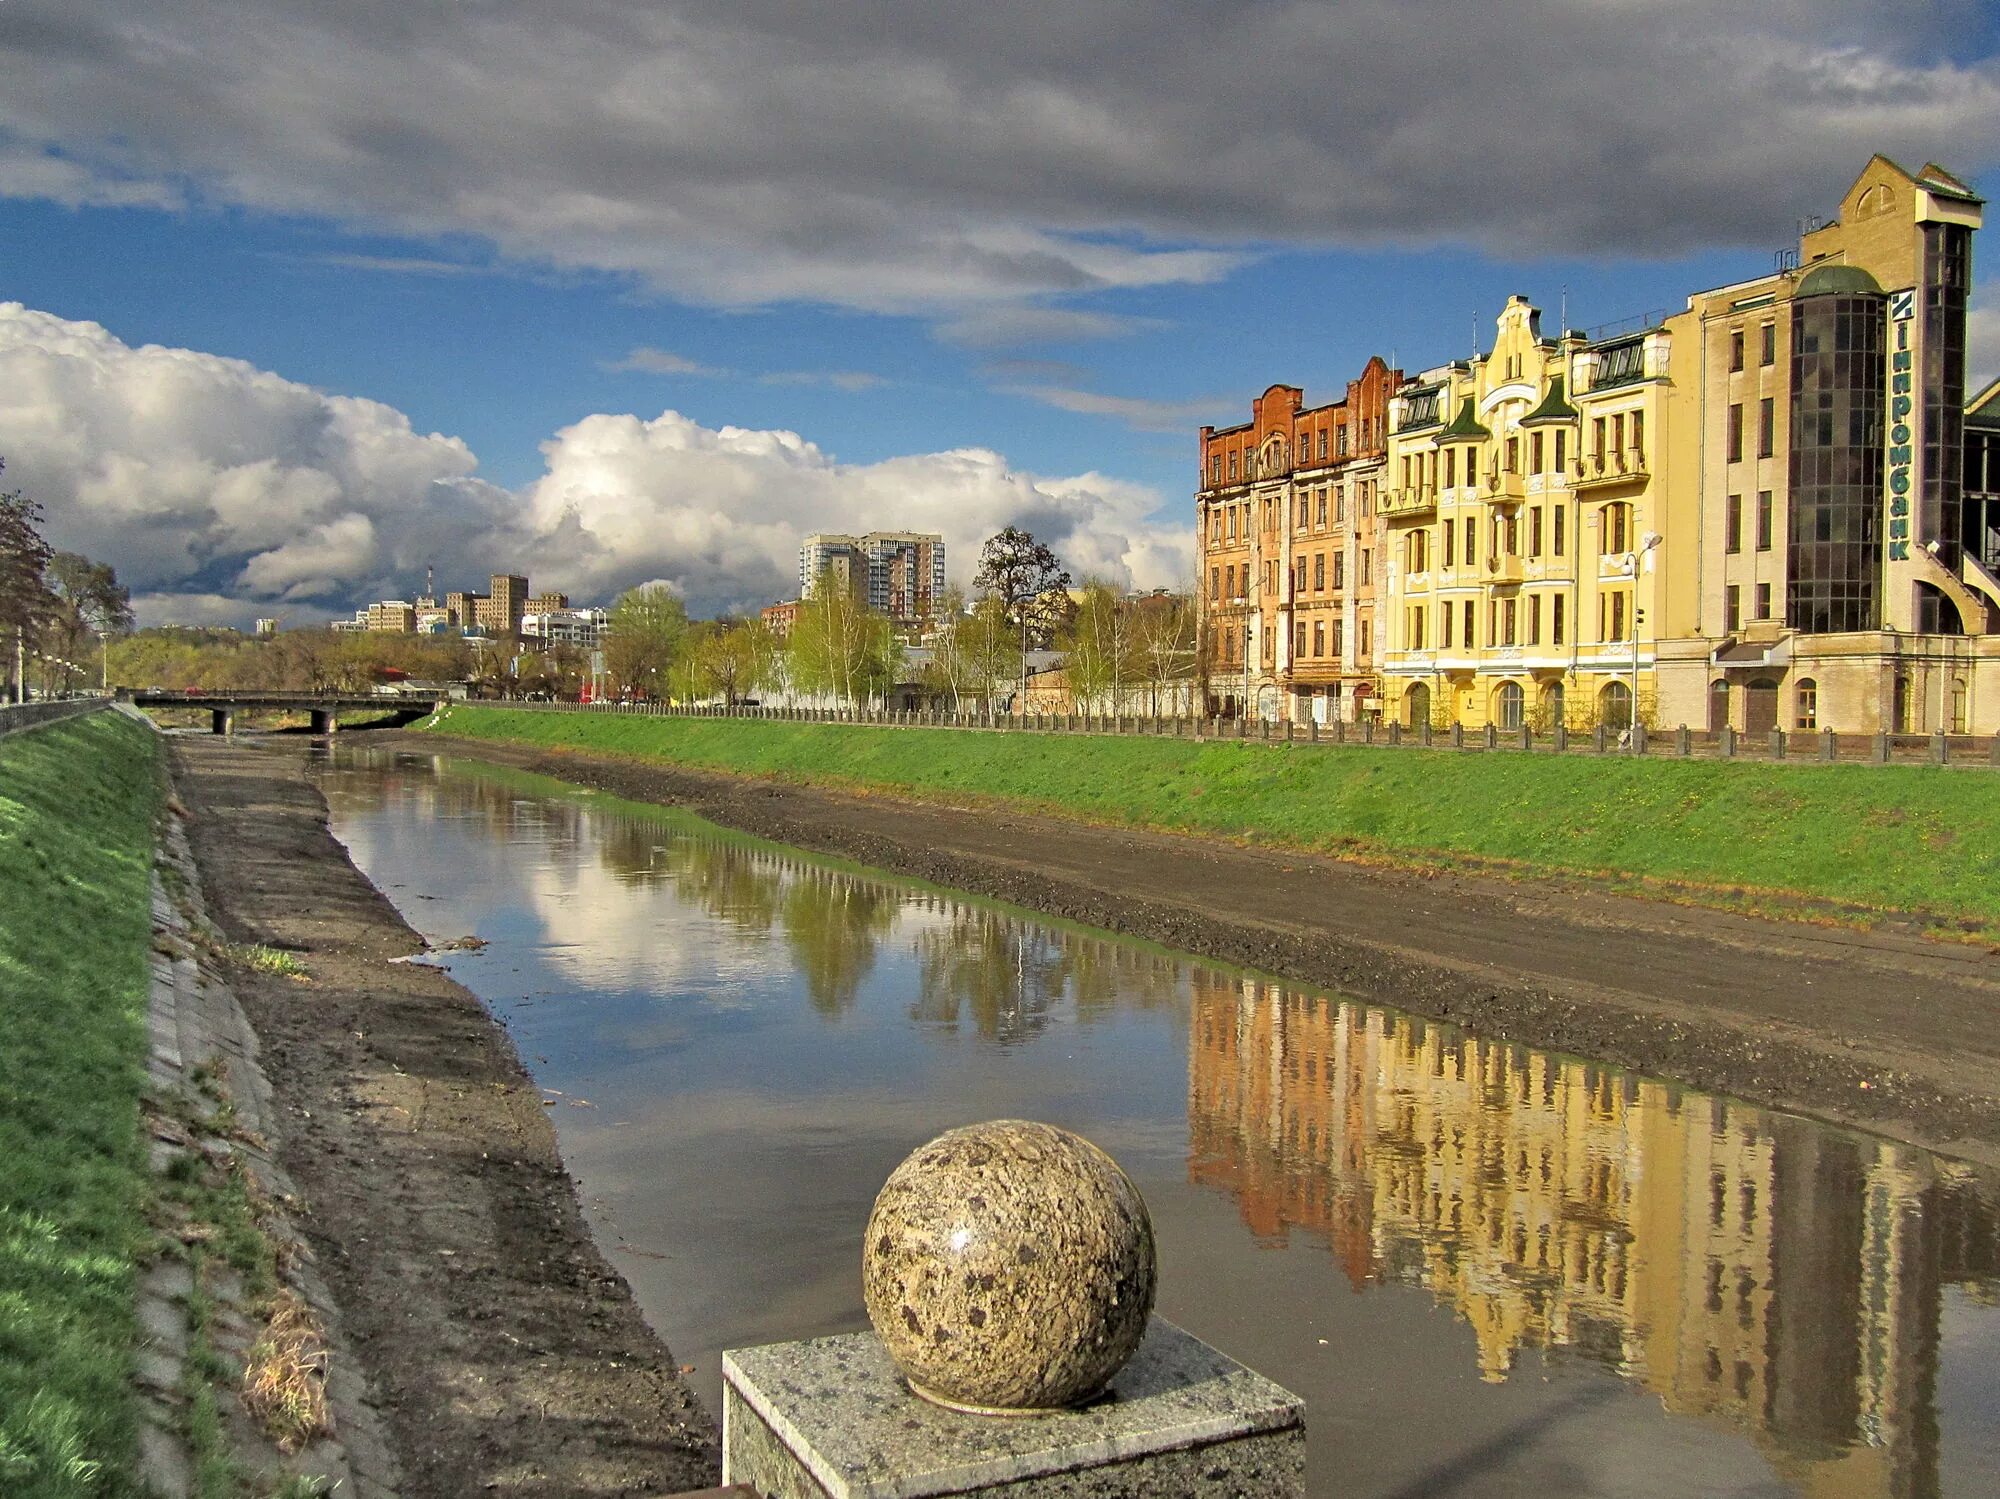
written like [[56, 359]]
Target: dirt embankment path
[[1894, 1032], [508, 1357]]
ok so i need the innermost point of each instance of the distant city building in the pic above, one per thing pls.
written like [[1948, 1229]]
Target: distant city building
[[898, 573], [499, 613], [547, 603], [267, 627], [391, 616], [583, 628], [461, 609], [779, 618]]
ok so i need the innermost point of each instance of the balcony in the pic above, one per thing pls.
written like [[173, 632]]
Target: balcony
[[1391, 503], [1503, 569], [1504, 488], [1620, 466]]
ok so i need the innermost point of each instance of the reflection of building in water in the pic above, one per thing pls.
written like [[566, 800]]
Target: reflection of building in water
[[1755, 1269]]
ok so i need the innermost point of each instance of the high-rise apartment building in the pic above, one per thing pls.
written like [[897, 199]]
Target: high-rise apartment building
[[898, 573], [1287, 554], [499, 613]]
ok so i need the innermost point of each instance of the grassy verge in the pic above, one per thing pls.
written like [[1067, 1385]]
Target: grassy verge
[[77, 808], [1904, 839]]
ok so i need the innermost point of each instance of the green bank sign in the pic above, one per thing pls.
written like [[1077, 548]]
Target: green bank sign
[[1902, 405]]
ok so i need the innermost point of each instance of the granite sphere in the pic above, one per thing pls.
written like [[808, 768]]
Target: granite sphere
[[1009, 1267]]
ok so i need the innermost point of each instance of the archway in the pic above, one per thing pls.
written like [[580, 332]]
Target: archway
[[1718, 706], [1507, 705], [1417, 705]]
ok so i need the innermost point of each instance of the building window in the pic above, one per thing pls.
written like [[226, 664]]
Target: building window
[[1215, 469], [1367, 566], [1535, 454], [1445, 616], [1339, 570], [1556, 612], [1735, 350], [1733, 449], [1557, 520], [1507, 705], [1364, 637], [1450, 468], [1322, 509], [1298, 640], [1763, 601], [1417, 627], [1509, 621], [1232, 466], [1339, 634], [1732, 541], [1215, 582], [1513, 458], [1467, 620], [1767, 426], [1322, 445], [1319, 572], [1299, 577], [1470, 557], [1615, 706], [1535, 531], [1769, 355], [1615, 529], [1732, 607], [1305, 503], [1763, 520], [1340, 440], [1450, 534], [1808, 691], [1319, 637], [1562, 447]]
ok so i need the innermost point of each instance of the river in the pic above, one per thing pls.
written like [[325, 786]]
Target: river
[[1486, 1269]]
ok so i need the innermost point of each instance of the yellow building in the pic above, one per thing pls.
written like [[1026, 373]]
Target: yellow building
[[1529, 532]]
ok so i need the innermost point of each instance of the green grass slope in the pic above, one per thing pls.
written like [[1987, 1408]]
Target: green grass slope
[[1900, 838], [77, 807]]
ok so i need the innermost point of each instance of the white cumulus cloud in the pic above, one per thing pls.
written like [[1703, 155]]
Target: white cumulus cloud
[[223, 491]]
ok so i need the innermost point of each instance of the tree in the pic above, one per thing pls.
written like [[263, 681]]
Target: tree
[[840, 648], [91, 606], [1028, 580], [1099, 649], [733, 661], [27, 604], [644, 637], [1163, 633]]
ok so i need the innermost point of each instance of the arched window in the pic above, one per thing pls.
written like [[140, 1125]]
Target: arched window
[[1958, 705], [1718, 706], [1614, 706], [1808, 715], [1507, 699]]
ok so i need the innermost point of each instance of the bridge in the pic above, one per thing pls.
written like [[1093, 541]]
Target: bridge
[[324, 708]]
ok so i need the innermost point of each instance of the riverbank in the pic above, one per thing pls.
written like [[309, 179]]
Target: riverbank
[[1885, 1029], [75, 865], [1912, 845], [505, 1353]]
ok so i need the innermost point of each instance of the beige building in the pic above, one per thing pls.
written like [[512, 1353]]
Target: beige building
[[392, 616], [1845, 573]]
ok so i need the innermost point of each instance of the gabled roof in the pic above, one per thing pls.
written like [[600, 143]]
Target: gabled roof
[[1554, 407], [1464, 426], [1983, 410]]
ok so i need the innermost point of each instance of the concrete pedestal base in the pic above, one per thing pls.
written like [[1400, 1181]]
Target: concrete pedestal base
[[831, 1418]]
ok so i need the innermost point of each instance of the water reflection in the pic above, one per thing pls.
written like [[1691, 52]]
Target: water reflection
[[762, 1034], [1742, 1265]]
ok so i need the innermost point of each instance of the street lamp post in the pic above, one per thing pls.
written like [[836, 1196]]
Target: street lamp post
[[1646, 544]]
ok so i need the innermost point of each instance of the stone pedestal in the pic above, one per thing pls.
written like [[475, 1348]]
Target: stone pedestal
[[831, 1418]]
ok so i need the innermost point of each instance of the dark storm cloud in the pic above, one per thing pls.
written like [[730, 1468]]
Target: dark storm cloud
[[910, 155]]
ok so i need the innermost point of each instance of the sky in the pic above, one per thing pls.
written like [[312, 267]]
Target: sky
[[297, 299]]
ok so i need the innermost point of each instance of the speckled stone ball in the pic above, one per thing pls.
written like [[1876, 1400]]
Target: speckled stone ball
[[1009, 1267]]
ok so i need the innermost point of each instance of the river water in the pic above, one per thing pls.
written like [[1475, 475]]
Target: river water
[[1488, 1270]]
